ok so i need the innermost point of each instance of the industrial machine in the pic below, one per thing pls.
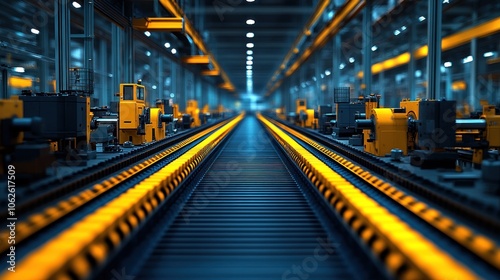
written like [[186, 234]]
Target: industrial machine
[[138, 123], [66, 123], [104, 130], [347, 112], [194, 112], [30, 158], [429, 130], [303, 116], [325, 116]]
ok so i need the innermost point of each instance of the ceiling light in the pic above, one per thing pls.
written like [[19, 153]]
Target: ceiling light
[[249, 57], [250, 45], [328, 73], [249, 62], [174, 51], [76, 5], [314, 79], [250, 1], [341, 66], [147, 33], [250, 35], [250, 21], [249, 67], [447, 64], [403, 28], [19, 69], [249, 52], [167, 45], [35, 31], [488, 54], [374, 48], [154, 87], [467, 59], [249, 72], [351, 59], [421, 18], [322, 76], [148, 53], [397, 32]]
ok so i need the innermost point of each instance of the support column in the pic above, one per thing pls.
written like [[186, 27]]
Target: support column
[[336, 61], [43, 65], [62, 38], [412, 47], [128, 46], [5, 87], [367, 47], [88, 46], [161, 78], [104, 93], [320, 98], [473, 68], [434, 43], [116, 61]]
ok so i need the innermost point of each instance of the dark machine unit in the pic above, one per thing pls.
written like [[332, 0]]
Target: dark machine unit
[[347, 112], [325, 116]]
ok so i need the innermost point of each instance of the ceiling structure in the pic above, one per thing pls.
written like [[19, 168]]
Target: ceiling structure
[[276, 25]]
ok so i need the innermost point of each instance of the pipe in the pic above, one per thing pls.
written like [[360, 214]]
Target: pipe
[[470, 124]]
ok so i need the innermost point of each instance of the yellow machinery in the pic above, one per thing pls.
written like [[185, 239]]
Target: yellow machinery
[[492, 131], [304, 117], [131, 106], [386, 129], [137, 122], [26, 158], [193, 110]]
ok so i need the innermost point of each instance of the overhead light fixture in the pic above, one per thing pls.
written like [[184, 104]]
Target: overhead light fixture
[[328, 72], [447, 64], [249, 72], [322, 76], [174, 51], [374, 48], [250, 35], [249, 57], [19, 69], [167, 45], [35, 31], [250, 21], [148, 53], [403, 28], [249, 52], [468, 59], [314, 79], [76, 5], [397, 32], [147, 33], [250, 45], [488, 54], [249, 62], [249, 67], [421, 18], [341, 66], [250, 1], [154, 87], [351, 59]]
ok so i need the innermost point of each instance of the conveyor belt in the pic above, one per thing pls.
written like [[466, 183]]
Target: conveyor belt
[[246, 219]]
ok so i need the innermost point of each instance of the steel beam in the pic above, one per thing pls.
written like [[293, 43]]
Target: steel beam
[[62, 38], [367, 46], [197, 59], [434, 52], [165, 24]]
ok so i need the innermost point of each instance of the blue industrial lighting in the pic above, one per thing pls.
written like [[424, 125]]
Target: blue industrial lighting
[[421, 18], [76, 5]]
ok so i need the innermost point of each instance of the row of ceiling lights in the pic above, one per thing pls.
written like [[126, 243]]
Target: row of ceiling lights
[[249, 61]]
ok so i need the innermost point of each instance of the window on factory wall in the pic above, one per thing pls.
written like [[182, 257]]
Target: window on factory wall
[[28, 45]]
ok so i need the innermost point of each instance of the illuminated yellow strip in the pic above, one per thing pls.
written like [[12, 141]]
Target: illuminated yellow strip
[[74, 251], [482, 246], [407, 254], [38, 221]]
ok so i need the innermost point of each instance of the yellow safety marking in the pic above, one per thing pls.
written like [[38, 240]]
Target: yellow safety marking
[[75, 251], [405, 252], [480, 245]]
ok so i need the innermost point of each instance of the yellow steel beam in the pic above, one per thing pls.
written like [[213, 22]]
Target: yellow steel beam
[[447, 43], [320, 8], [345, 13], [174, 8], [211, 73], [196, 59], [166, 24]]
